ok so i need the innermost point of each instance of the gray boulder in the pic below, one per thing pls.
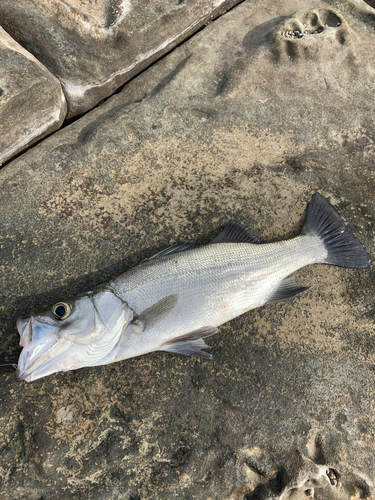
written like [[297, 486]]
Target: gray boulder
[[95, 47], [244, 121], [32, 104]]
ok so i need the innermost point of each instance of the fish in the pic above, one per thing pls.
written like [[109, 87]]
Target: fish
[[177, 298]]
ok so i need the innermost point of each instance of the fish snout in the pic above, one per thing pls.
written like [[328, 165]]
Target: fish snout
[[36, 338], [23, 327], [22, 366], [20, 376]]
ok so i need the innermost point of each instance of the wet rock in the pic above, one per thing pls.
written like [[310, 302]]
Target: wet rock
[[32, 104], [95, 47], [228, 126]]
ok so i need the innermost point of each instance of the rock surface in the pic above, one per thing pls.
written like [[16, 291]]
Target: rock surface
[[244, 121], [32, 104], [95, 47]]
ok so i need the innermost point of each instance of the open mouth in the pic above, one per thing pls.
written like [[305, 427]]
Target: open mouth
[[37, 349], [24, 329]]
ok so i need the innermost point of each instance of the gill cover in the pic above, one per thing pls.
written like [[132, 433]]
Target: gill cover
[[89, 335]]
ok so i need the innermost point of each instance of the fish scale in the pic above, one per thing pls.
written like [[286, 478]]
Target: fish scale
[[216, 270], [218, 282]]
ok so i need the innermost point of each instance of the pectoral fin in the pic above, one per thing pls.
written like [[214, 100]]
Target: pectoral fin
[[155, 313], [287, 289], [190, 344]]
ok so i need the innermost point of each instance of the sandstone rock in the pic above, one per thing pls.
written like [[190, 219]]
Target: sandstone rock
[[95, 47], [244, 121], [32, 104]]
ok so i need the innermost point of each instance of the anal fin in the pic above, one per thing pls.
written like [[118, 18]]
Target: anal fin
[[287, 289], [191, 344]]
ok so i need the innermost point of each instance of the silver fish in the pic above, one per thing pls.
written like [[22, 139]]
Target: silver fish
[[178, 297]]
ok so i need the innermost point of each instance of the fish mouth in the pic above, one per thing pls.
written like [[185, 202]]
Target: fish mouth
[[24, 330], [34, 354], [20, 374], [23, 327]]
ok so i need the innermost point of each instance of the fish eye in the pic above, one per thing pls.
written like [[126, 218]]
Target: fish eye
[[61, 310]]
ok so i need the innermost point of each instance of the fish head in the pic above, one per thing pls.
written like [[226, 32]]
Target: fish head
[[71, 334]]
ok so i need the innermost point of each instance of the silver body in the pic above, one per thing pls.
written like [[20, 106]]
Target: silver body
[[215, 283]]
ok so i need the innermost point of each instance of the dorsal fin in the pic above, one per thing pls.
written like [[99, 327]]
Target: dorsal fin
[[233, 232], [174, 249], [236, 232]]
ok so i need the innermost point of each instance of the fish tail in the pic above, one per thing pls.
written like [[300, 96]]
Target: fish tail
[[342, 247]]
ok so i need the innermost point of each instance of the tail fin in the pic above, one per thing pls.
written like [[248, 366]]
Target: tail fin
[[343, 248]]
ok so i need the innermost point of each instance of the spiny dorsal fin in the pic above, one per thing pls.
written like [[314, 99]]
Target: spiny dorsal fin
[[236, 232], [190, 344], [155, 313], [174, 249], [287, 289], [233, 232]]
